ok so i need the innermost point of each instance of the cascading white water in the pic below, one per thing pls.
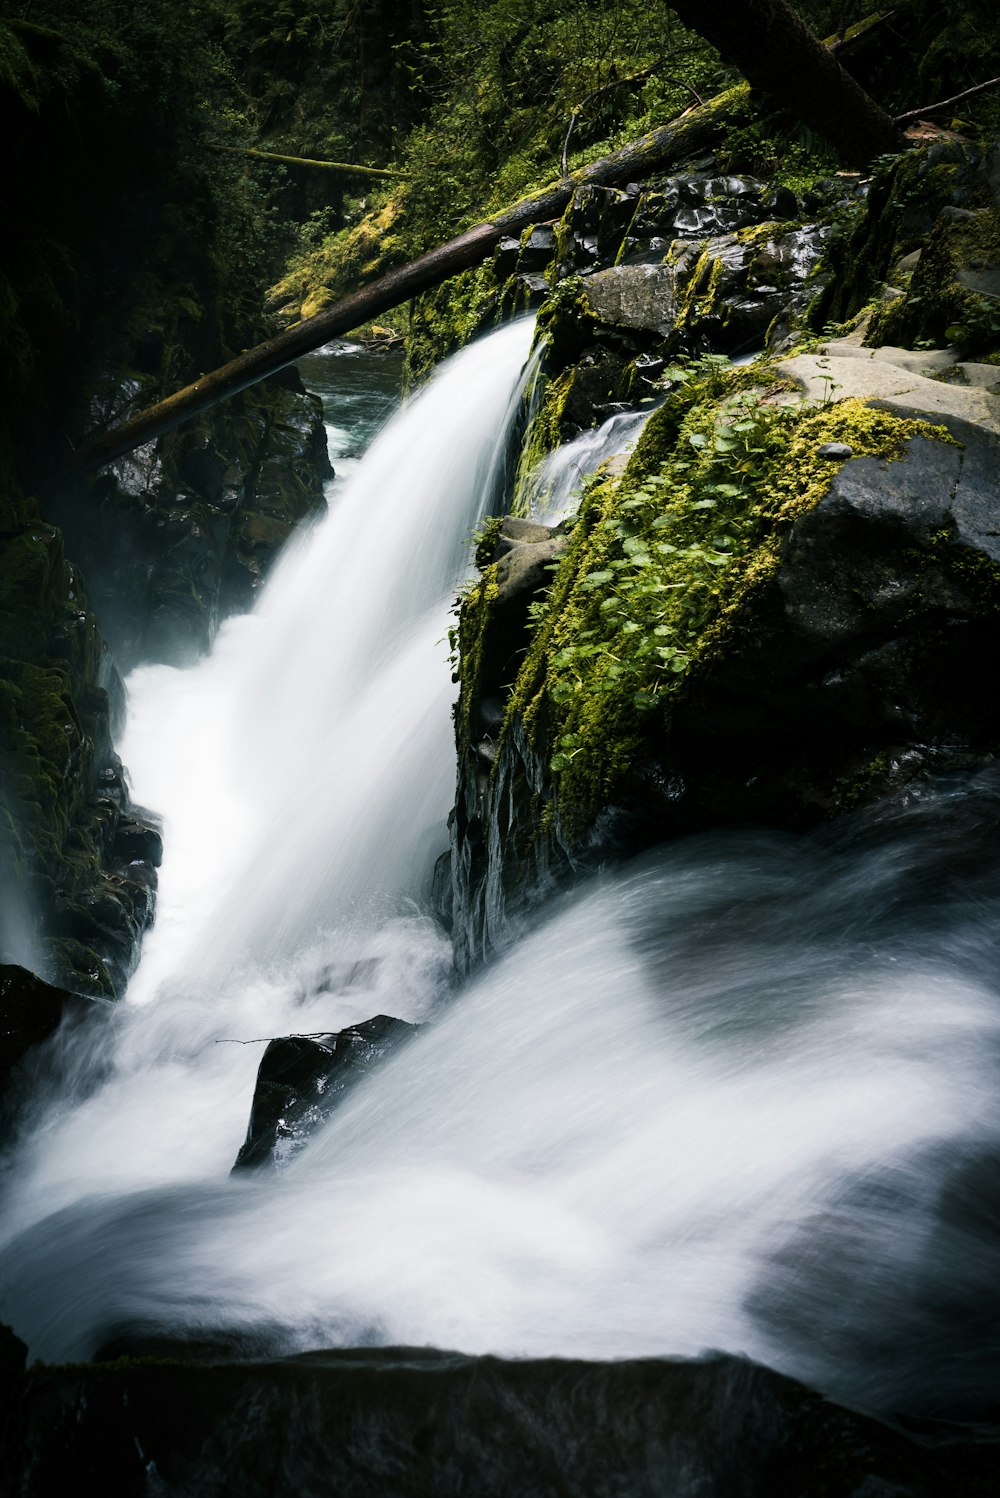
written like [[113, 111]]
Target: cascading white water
[[312, 768], [741, 1096], [552, 489], [304, 772]]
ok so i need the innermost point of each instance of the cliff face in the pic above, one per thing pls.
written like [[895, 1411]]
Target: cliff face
[[786, 602]]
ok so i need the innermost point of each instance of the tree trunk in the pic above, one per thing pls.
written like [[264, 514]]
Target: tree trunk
[[689, 135], [777, 53]]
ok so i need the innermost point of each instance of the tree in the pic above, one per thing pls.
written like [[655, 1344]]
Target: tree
[[777, 53]]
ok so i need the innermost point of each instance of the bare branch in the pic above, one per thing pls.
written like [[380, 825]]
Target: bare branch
[[267, 1039], [916, 114]]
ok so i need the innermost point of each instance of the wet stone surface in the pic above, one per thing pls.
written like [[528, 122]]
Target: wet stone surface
[[304, 1078]]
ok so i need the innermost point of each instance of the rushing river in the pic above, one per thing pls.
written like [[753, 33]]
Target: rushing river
[[742, 1095]]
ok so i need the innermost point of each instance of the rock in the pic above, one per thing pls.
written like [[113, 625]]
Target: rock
[[953, 292], [417, 1423], [536, 248], [175, 536], [505, 258], [742, 283], [834, 450], [867, 663], [13, 1362], [523, 569], [303, 1079], [841, 372], [901, 207], [634, 296], [592, 229], [80, 858], [30, 1011], [517, 531], [524, 554]]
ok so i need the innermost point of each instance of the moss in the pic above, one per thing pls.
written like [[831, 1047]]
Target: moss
[[545, 433], [936, 308], [469, 639], [905, 200], [976, 575], [665, 568]]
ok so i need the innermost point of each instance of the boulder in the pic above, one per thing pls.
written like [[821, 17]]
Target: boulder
[[302, 1079], [932, 384], [417, 1423], [635, 296]]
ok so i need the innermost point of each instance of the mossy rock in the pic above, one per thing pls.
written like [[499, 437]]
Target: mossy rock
[[906, 199], [699, 659], [954, 293]]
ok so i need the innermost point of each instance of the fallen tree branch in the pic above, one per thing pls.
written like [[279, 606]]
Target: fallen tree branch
[[326, 166], [269, 1039], [917, 114], [859, 30], [690, 134], [778, 54]]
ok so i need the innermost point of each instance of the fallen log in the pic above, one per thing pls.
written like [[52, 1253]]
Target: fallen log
[[349, 167], [689, 135]]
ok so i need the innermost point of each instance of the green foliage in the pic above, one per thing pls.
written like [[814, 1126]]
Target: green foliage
[[498, 84]]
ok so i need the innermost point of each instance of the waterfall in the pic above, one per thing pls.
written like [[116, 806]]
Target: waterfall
[[552, 490], [741, 1095], [310, 769]]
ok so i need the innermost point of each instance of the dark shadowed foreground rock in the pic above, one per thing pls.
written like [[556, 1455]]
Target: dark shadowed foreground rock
[[30, 1010], [303, 1078], [406, 1423]]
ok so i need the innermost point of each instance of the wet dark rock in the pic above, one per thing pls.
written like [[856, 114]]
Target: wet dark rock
[[174, 536], [30, 1011], [741, 284], [867, 661], [505, 258], [593, 229], [521, 293], [77, 861], [415, 1423], [536, 248], [303, 1079]]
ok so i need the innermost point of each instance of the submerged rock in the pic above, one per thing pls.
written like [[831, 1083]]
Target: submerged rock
[[302, 1079]]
